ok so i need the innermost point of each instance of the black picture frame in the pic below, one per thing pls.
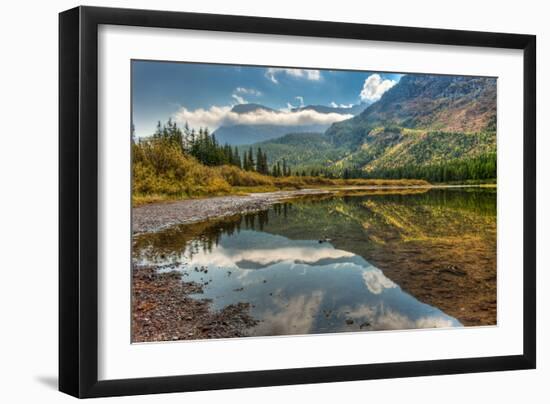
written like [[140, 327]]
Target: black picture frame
[[78, 201]]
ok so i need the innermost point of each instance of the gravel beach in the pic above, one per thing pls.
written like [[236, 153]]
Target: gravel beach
[[154, 217]]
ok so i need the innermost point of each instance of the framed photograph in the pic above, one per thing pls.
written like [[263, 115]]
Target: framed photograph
[[251, 201]]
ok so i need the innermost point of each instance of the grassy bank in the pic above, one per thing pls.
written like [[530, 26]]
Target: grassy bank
[[488, 182], [162, 173]]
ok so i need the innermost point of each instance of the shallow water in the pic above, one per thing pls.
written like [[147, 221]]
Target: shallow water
[[304, 266]]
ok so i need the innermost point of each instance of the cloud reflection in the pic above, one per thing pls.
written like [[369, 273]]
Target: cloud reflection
[[376, 281], [260, 258], [305, 287], [291, 316], [380, 317]]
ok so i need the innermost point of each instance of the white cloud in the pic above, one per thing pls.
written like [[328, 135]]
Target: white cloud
[[376, 281], [374, 87], [289, 107], [239, 99], [248, 91], [334, 105], [291, 316], [301, 99], [307, 74], [230, 258], [210, 118], [215, 116], [381, 317]]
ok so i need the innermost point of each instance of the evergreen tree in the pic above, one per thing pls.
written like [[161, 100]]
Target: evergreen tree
[[187, 140], [158, 131], [261, 162], [236, 158], [250, 160], [246, 162]]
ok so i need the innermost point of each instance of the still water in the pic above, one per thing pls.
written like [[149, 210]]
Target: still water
[[305, 266]]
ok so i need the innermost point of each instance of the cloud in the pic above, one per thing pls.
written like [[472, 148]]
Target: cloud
[[381, 317], [230, 258], [244, 91], [291, 316], [376, 281], [346, 106], [211, 117], [374, 87], [239, 99], [308, 74], [215, 116], [289, 107], [248, 91]]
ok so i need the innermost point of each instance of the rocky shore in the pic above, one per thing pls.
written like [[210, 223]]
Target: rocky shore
[[163, 311], [457, 275], [154, 217], [158, 216]]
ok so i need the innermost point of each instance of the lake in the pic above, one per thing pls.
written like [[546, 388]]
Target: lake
[[354, 261]]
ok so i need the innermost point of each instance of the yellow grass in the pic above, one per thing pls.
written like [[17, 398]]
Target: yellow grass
[[162, 173]]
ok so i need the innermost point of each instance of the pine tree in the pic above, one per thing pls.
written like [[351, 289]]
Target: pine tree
[[261, 162], [236, 158], [250, 160], [246, 162], [158, 131], [187, 141]]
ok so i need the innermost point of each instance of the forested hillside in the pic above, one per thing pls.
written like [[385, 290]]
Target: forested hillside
[[441, 128], [176, 163]]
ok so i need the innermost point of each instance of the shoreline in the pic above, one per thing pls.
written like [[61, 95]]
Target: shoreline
[[157, 216], [445, 278], [163, 311]]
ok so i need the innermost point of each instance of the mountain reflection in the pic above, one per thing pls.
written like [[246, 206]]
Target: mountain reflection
[[293, 286], [345, 262]]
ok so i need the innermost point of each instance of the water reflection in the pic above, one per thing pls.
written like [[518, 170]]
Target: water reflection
[[301, 286], [376, 282], [346, 262]]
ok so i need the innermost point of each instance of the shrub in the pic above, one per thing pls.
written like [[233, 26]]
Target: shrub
[[162, 171], [234, 176], [159, 167]]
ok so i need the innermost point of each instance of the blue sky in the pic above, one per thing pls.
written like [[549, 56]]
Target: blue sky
[[203, 94]]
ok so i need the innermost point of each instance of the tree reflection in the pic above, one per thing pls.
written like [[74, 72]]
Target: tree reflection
[[438, 245]]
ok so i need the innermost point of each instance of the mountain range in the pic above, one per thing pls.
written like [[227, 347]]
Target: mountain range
[[422, 120], [324, 109], [240, 134]]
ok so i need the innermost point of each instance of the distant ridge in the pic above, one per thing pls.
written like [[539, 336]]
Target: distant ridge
[[353, 110], [423, 120], [251, 133], [247, 108]]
